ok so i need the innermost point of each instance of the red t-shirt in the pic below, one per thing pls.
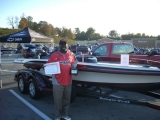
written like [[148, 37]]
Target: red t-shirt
[[66, 61]]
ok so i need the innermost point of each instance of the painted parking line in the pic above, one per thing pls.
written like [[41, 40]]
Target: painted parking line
[[31, 106], [7, 62], [14, 71]]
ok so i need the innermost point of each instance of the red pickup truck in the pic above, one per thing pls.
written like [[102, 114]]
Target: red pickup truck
[[111, 52]]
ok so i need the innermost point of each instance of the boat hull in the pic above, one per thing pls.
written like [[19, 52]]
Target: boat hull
[[118, 81], [132, 77], [115, 76]]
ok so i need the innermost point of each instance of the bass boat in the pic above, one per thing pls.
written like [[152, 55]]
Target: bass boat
[[116, 76]]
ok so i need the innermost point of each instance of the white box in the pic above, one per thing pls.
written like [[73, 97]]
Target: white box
[[124, 60]]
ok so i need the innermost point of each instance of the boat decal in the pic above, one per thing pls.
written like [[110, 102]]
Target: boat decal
[[114, 100]]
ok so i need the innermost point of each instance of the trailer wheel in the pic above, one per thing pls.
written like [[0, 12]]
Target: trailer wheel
[[22, 86], [73, 93], [34, 92]]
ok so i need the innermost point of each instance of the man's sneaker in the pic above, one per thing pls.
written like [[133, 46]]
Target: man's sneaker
[[66, 118]]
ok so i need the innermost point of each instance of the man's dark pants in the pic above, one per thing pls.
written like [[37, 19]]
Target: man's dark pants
[[62, 95]]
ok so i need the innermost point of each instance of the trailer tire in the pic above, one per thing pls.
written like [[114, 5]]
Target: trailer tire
[[73, 93], [34, 92], [22, 85]]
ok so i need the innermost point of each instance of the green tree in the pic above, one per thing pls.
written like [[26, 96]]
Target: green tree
[[64, 32], [52, 32], [143, 35], [113, 34], [35, 27], [58, 31], [77, 31], [127, 36], [97, 36], [82, 36], [41, 24], [43, 28], [30, 21], [90, 33], [23, 23], [138, 35], [69, 33]]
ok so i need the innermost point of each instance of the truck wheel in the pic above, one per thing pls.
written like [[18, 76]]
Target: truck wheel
[[22, 86], [73, 93], [34, 92]]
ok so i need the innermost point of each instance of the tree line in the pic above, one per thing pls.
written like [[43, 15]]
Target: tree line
[[49, 30]]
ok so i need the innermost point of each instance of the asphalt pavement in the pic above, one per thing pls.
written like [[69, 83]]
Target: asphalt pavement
[[17, 106]]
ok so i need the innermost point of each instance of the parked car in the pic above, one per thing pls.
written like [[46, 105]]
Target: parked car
[[7, 50], [28, 50], [34, 50], [141, 51], [136, 50], [83, 48], [73, 48], [144, 51], [41, 50], [39, 47], [45, 48], [93, 47]]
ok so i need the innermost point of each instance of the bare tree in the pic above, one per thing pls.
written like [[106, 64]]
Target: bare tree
[[13, 21], [10, 21]]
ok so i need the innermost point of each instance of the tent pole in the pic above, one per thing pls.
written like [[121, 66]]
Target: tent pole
[[0, 69]]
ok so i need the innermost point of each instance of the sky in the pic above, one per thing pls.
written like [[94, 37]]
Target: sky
[[124, 16]]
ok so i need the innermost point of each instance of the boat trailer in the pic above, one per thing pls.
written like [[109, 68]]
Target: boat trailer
[[98, 93]]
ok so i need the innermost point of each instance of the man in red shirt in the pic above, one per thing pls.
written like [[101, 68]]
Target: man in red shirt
[[62, 82]]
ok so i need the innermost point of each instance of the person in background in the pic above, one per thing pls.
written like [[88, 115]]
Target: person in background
[[45, 48], [50, 49], [19, 48], [62, 82]]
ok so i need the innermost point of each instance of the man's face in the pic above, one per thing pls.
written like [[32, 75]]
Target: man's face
[[63, 47]]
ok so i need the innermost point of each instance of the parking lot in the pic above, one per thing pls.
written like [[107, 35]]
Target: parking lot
[[17, 106]]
